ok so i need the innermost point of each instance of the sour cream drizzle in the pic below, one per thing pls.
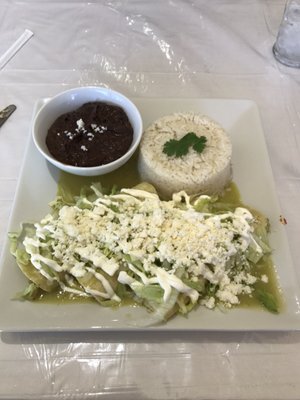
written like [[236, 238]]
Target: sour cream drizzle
[[139, 224]]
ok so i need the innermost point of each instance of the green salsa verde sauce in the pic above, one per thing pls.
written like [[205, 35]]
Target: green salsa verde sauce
[[127, 176]]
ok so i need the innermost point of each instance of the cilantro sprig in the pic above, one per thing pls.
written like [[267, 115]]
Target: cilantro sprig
[[179, 148]]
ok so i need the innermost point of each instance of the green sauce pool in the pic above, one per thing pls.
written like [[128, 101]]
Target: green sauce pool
[[127, 176]]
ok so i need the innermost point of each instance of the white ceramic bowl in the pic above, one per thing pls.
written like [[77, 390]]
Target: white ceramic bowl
[[71, 100]]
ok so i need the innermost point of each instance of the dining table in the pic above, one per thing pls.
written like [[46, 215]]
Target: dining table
[[157, 51]]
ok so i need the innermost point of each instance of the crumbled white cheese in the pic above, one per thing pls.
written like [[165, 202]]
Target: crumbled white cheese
[[90, 136], [150, 231], [70, 135], [99, 129], [209, 303], [264, 278], [80, 124]]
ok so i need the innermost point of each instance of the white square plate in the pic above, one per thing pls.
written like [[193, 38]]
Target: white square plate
[[253, 175]]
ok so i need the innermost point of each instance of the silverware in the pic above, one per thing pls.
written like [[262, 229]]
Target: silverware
[[6, 113]]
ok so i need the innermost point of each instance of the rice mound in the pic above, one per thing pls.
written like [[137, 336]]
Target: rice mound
[[205, 173]]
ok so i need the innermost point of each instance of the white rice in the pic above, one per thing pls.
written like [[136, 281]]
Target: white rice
[[208, 172]]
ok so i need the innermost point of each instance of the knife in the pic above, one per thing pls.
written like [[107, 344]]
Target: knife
[[6, 113]]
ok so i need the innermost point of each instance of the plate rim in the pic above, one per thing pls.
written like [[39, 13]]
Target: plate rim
[[159, 328]]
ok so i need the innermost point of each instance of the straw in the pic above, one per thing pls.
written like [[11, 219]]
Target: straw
[[15, 47]]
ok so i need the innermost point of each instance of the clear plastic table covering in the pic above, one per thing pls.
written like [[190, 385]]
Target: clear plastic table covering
[[216, 49]]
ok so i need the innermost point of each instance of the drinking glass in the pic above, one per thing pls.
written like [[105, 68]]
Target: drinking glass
[[287, 46]]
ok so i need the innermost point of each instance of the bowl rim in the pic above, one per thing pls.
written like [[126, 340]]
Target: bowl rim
[[86, 170]]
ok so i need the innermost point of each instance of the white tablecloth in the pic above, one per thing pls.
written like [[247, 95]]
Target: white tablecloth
[[174, 48]]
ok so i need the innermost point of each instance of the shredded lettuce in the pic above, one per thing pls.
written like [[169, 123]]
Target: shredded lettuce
[[95, 269]]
